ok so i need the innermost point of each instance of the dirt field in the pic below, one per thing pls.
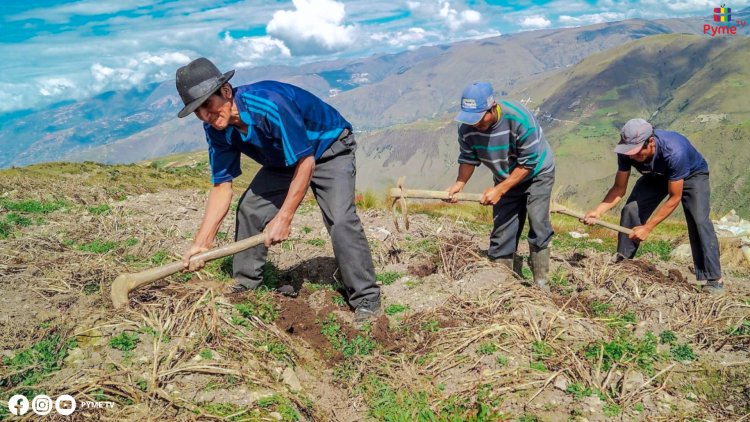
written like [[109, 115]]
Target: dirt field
[[461, 338]]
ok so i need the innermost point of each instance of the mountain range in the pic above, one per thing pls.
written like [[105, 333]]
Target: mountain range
[[583, 83]]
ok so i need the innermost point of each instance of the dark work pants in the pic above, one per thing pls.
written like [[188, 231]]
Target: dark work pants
[[648, 193], [528, 198], [333, 186]]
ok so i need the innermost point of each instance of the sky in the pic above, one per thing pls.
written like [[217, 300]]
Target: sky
[[52, 51]]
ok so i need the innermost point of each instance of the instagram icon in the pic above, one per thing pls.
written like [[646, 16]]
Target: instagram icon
[[41, 405]]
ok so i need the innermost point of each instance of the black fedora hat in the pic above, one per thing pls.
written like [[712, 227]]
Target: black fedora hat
[[196, 81]]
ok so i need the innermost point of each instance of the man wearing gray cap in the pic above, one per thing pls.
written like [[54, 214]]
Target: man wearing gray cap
[[301, 142], [671, 167]]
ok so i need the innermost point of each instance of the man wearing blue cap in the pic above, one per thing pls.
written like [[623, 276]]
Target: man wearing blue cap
[[300, 141], [671, 167], [507, 138]]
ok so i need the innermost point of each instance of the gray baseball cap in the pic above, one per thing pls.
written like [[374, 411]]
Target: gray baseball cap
[[633, 135]]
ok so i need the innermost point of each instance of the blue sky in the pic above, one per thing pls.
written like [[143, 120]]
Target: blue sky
[[59, 50]]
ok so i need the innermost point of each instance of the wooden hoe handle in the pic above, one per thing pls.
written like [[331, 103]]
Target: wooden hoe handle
[[125, 283]]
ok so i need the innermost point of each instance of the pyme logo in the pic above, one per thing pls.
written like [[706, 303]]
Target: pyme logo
[[723, 23], [722, 14]]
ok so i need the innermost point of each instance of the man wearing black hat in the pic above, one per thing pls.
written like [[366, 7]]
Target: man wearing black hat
[[671, 168], [300, 141]]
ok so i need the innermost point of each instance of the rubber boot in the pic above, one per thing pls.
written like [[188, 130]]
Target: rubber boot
[[518, 265], [514, 263], [539, 263]]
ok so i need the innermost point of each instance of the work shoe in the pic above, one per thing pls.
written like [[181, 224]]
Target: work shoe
[[286, 290], [235, 289], [366, 312], [714, 287], [539, 263]]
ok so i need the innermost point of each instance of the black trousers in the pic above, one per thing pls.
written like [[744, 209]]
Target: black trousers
[[648, 193]]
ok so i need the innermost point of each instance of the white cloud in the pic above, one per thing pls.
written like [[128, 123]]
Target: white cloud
[[535, 22], [63, 13], [253, 50], [592, 18], [51, 87], [144, 68], [455, 20], [400, 38], [314, 27]]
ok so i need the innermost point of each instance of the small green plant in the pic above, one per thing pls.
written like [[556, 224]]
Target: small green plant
[[124, 341], [221, 235], [306, 230], [578, 391], [526, 417], [360, 345], [91, 288], [431, 326], [271, 275], [667, 337], [638, 407], [660, 248], [527, 274], [18, 220], [682, 352], [487, 348], [29, 366], [206, 354], [395, 308], [599, 309], [31, 206], [743, 329], [541, 350], [99, 209], [611, 410], [387, 278], [339, 300], [624, 349], [501, 360], [159, 257], [131, 242], [559, 282], [5, 230], [259, 304], [221, 268], [277, 350], [538, 366], [316, 242], [98, 246]]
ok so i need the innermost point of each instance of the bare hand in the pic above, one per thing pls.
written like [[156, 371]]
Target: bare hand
[[193, 250], [452, 190], [491, 196], [277, 230], [590, 218], [640, 233]]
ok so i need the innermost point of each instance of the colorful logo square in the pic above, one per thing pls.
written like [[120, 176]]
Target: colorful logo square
[[722, 14]]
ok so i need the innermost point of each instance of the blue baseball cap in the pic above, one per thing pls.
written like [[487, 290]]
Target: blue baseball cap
[[475, 101]]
